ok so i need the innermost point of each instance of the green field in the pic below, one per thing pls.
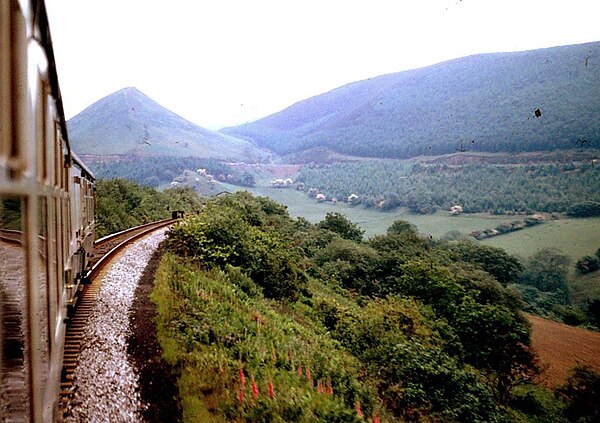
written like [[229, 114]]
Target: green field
[[376, 222], [574, 237]]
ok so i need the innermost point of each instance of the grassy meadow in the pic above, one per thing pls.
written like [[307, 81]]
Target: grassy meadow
[[376, 222], [574, 237]]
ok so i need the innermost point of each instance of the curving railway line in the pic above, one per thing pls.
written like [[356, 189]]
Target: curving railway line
[[105, 249]]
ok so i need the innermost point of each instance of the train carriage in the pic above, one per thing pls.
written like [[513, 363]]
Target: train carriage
[[46, 217]]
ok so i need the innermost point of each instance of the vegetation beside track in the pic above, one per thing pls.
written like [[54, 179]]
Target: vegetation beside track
[[121, 204], [394, 328]]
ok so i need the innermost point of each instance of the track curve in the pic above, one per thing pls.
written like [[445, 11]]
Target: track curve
[[104, 250]]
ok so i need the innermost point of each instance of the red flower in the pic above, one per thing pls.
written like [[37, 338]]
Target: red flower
[[357, 408], [271, 392], [242, 378], [254, 388]]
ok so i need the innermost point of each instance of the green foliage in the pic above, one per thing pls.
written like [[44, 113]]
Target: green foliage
[[401, 227], [547, 271], [537, 404], [338, 223], [582, 395], [585, 209], [154, 171], [239, 230], [213, 332], [504, 267], [425, 188], [429, 336], [348, 263], [588, 264], [400, 341], [121, 204]]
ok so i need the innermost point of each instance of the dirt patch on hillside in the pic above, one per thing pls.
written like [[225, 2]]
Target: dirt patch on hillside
[[158, 383], [561, 347]]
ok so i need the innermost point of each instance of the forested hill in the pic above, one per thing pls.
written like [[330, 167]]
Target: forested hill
[[129, 123], [481, 103]]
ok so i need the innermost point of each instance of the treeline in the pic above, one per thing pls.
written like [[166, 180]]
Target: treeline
[[122, 204], [477, 188], [160, 170], [547, 284], [269, 318]]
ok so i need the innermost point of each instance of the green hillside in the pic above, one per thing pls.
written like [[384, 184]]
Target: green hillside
[[128, 123], [273, 319], [478, 103]]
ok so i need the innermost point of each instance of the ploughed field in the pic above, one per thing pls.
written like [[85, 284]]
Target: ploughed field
[[561, 347]]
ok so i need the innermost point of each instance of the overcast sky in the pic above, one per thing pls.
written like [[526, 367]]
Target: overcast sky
[[225, 62]]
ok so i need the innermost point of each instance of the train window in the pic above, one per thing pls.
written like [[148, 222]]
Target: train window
[[51, 264], [50, 134], [57, 156], [40, 133], [10, 214], [18, 75], [5, 103], [12, 316], [60, 246], [43, 288]]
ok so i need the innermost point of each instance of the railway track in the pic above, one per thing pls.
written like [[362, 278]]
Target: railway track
[[104, 250]]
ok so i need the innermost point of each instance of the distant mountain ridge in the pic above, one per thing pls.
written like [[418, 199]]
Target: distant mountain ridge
[[485, 102], [128, 123]]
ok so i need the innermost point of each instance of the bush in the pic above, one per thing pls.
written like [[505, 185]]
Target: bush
[[121, 204], [396, 339], [338, 223], [587, 264], [497, 262], [238, 232], [582, 395]]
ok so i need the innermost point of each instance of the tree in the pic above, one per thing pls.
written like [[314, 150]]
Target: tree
[[584, 209], [547, 271], [497, 262], [338, 223], [400, 227]]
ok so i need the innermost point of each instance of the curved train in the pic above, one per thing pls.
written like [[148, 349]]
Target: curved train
[[46, 217]]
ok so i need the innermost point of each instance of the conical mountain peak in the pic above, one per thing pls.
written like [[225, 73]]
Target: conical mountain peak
[[129, 123]]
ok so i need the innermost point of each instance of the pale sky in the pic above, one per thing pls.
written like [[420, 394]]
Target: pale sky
[[225, 62]]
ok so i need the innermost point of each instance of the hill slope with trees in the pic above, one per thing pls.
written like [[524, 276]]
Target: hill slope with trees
[[535, 100], [269, 318]]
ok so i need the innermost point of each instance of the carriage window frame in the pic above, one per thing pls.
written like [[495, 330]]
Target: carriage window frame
[[5, 89], [41, 111]]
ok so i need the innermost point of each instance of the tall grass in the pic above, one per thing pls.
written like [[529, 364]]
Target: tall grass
[[241, 360]]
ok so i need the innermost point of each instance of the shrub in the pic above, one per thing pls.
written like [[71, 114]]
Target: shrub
[[237, 231], [338, 223], [582, 395], [587, 264]]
